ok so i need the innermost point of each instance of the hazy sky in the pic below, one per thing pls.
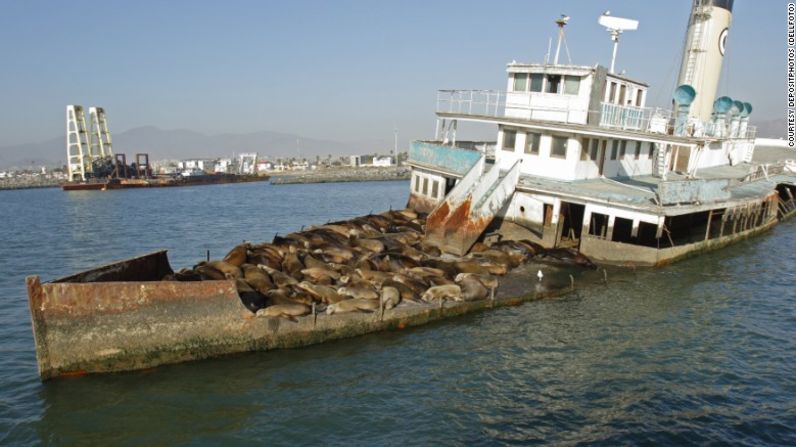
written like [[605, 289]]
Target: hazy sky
[[342, 70]]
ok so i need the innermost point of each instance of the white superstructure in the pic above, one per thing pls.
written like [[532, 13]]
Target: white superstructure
[[580, 160]]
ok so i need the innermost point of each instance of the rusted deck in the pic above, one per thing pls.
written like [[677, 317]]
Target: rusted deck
[[106, 326]]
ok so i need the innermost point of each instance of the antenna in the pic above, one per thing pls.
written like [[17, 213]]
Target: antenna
[[615, 26], [561, 22]]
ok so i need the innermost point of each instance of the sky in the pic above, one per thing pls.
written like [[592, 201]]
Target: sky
[[339, 70]]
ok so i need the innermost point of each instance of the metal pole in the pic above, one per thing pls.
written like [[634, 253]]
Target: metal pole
[[615, 38]]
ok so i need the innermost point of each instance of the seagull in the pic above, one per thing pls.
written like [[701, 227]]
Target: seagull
[[540, 275]]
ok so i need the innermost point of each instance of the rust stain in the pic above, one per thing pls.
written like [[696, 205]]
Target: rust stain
[[459, 216], [75, 373], [437, 218]]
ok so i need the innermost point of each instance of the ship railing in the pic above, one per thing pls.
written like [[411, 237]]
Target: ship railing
[[647, 119], [493, 103], [472, 102]]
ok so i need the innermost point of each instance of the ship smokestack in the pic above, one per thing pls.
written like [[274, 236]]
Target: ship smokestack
[[703, 54]]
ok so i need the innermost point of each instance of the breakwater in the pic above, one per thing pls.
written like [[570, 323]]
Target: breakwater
[[341, 175]]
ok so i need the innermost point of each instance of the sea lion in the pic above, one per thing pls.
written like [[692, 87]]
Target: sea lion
[[449, 268], [342, 230], [510, 259], [237, 255], [266, 258], [292, 265], [374, 276], [186, 274], [390, 297], [400, 262], [325, 294], [567, 256], [429, 250], [337, 255], [451, 291], [407, 293], [494, 268], [281, 280], [257, 278], [472, 289], [372, 245], [470, 267], [288, 311], [320, 275], [226, 268], [414, 283], [358, 292], [311, 262], [426, 272], [439, 281], [353, 305], [479, 247], [490, 282], [250, 298], [289, 240], [208, 273], [408, 213], [287, 296]]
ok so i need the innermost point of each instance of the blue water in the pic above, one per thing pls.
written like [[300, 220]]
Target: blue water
[[701, 352]]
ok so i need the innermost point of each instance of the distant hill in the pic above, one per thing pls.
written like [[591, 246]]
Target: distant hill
[[180, 144]]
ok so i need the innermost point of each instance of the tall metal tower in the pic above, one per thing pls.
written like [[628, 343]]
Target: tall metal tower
[[78, 160], [100, 137]]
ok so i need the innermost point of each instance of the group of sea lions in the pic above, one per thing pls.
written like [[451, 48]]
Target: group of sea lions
[[365, 264]]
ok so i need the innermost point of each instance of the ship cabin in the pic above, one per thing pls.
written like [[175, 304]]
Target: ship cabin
[[581, 161]]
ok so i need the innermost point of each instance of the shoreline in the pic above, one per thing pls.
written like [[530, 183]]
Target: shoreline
[[341, 175]]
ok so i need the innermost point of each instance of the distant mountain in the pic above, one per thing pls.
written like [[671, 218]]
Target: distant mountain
[[772, 128], [180, 144]]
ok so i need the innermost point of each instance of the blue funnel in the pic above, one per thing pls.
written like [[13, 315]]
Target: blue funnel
[[747, 109]]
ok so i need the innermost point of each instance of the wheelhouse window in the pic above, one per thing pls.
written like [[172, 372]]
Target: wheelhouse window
[[639, 96], [417, 183], [520, 82], [651, 150], [571, 85], [434, 189], [612, 92], [532, 143], [584, 149], [614, 149], [536, 82], [425, 186], [509, 137], [553, 81], [558, 148], [638, 149], [622, 149]]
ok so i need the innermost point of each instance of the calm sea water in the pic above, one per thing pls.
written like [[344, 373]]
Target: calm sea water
[[700, 352]]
